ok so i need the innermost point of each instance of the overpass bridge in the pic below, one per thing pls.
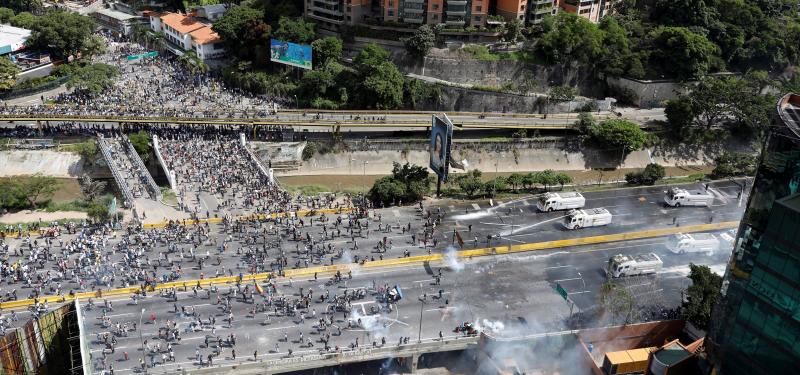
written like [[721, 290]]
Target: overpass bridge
[[353, 121]]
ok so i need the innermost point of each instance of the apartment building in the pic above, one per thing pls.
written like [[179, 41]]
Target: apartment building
[[538, 9], [331, 14], [593, 10], [187, 33]]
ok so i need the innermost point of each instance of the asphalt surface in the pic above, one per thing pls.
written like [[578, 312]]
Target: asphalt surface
[[507, 295], [493, 293]]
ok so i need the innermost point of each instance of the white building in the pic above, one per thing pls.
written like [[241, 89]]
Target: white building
[[12, 39], [188, 34], [211, 12]]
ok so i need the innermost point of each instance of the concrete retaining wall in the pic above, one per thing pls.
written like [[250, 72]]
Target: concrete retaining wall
[[48, 163]]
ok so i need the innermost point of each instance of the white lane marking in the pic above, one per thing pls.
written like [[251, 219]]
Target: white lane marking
[[475, 206], [574, 278], [548, 268]]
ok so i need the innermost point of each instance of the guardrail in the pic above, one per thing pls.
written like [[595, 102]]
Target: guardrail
[[139, 164], [105, 149], [170, 174], [393, 262]]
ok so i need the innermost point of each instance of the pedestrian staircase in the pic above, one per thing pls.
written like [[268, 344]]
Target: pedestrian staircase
[[128, 169]]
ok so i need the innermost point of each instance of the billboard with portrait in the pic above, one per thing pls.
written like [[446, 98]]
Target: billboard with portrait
[[288, 53], [441, 134]]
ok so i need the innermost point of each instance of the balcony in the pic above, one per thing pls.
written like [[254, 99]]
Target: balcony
[[327, 12], [414, 1], [455, 22], [413, 11], [456, 3], [326, 17], [413, 19], [328, 2]]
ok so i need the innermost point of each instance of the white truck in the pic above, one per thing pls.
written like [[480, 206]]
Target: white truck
[[593, 217], [682, 243], [677, 197], [560, 201], [631, 265]]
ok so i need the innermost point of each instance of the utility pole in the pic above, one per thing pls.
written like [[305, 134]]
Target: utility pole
[[141, 340]]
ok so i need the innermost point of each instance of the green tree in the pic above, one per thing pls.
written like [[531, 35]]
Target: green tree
[[98, 212], [6, 14], [386, 191], [616, 303], [681, 53], [585, 122], [512, 31], [64, 32], [563, 93], [295, 30], [38, 187], [680, 113], [528, 180], [22, 5], [619, 134], [652, 173], [408, 183], [731, 164], [383, 87], [24, 20], [325, 50], [8, 73], [91, 188], [12, 195], [701, 296], [495, 185], [93, 46], [414, 177], [711, 98], [141, 143], [547, 178], [470, 183], [242, 28], [93, 78], [563, 179], [421, 42], [617, 58], [515, 180], [370, 57], [568, 37], [193, 63]]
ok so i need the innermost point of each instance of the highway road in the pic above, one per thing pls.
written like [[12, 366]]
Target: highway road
[[493, 292], [352, 120], [506, 295]]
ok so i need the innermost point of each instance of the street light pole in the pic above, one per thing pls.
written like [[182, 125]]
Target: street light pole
[[419, 335], [365, 173], [141, 340]]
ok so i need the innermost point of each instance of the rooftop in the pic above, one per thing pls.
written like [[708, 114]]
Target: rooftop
[[205, 35], [115, 14], [789, 112], [181, 22], [12, 38]]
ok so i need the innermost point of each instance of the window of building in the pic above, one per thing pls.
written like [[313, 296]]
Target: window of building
[[478, 8], [391, 13], [478, 18], [435, 6], [391, 3], [436, 17], [522, 8]]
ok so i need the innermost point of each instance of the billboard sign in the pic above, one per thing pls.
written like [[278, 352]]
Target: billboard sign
[[288, 53], [441, 134]]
